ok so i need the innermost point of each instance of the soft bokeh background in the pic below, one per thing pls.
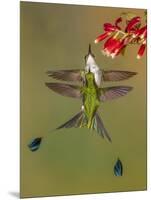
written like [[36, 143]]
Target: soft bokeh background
[[75, 161]]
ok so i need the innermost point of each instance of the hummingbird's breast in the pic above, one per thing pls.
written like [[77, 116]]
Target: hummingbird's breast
[[91, 102], [98, 78], [93, 68]]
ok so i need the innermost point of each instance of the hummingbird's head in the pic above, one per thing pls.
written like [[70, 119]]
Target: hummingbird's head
[[89, 58], [90, 62]]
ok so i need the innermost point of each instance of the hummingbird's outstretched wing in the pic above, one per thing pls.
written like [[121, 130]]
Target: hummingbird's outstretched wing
[[114, 92], [65, 89], [113, 75], [76, 75], [66, 75]]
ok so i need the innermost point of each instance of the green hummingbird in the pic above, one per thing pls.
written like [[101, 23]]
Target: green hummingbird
[[100, 75], [91, 96], [90, 92]]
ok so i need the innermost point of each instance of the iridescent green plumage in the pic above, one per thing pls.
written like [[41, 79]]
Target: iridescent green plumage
[[91, 96], [91, 100], [91, 78]]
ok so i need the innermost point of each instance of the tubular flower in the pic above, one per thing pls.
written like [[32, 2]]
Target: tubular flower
[[132, 25], [142, 33], [109, 29], [118, 49], [141, 51], [118, 39], [102, 37], [113, 46], [110, 45], [117, 21]]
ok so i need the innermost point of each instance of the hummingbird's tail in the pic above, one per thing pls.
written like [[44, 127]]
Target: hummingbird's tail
[[76, 121], [80, 120], [99, 127]]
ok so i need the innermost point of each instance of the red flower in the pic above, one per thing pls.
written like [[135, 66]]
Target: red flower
[[111, 43], [141, 51], [119, 39], [142, 32], [109, 27], [118, 20], [113, 47], [131, 26], [118, 49], [102, 37]]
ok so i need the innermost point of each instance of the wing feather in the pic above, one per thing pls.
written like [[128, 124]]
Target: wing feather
[[114, 75], [66, 75], [114, 92], [65, 89]]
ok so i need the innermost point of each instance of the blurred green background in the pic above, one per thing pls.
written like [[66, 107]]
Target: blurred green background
[[76, 161]]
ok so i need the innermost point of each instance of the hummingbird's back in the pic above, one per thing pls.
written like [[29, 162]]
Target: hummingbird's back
[[90, 96]]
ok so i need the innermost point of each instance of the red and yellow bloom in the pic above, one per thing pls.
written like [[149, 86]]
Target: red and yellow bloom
[[117, 39]]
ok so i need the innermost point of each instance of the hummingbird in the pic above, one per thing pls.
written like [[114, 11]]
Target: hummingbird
[[90, 92], [100, 75], [91, 96]]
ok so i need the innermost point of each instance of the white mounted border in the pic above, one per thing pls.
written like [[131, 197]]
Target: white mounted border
[[9, 99]]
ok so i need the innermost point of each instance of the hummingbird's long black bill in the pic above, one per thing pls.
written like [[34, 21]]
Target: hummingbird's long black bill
[[89, 50], [89, 53]]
